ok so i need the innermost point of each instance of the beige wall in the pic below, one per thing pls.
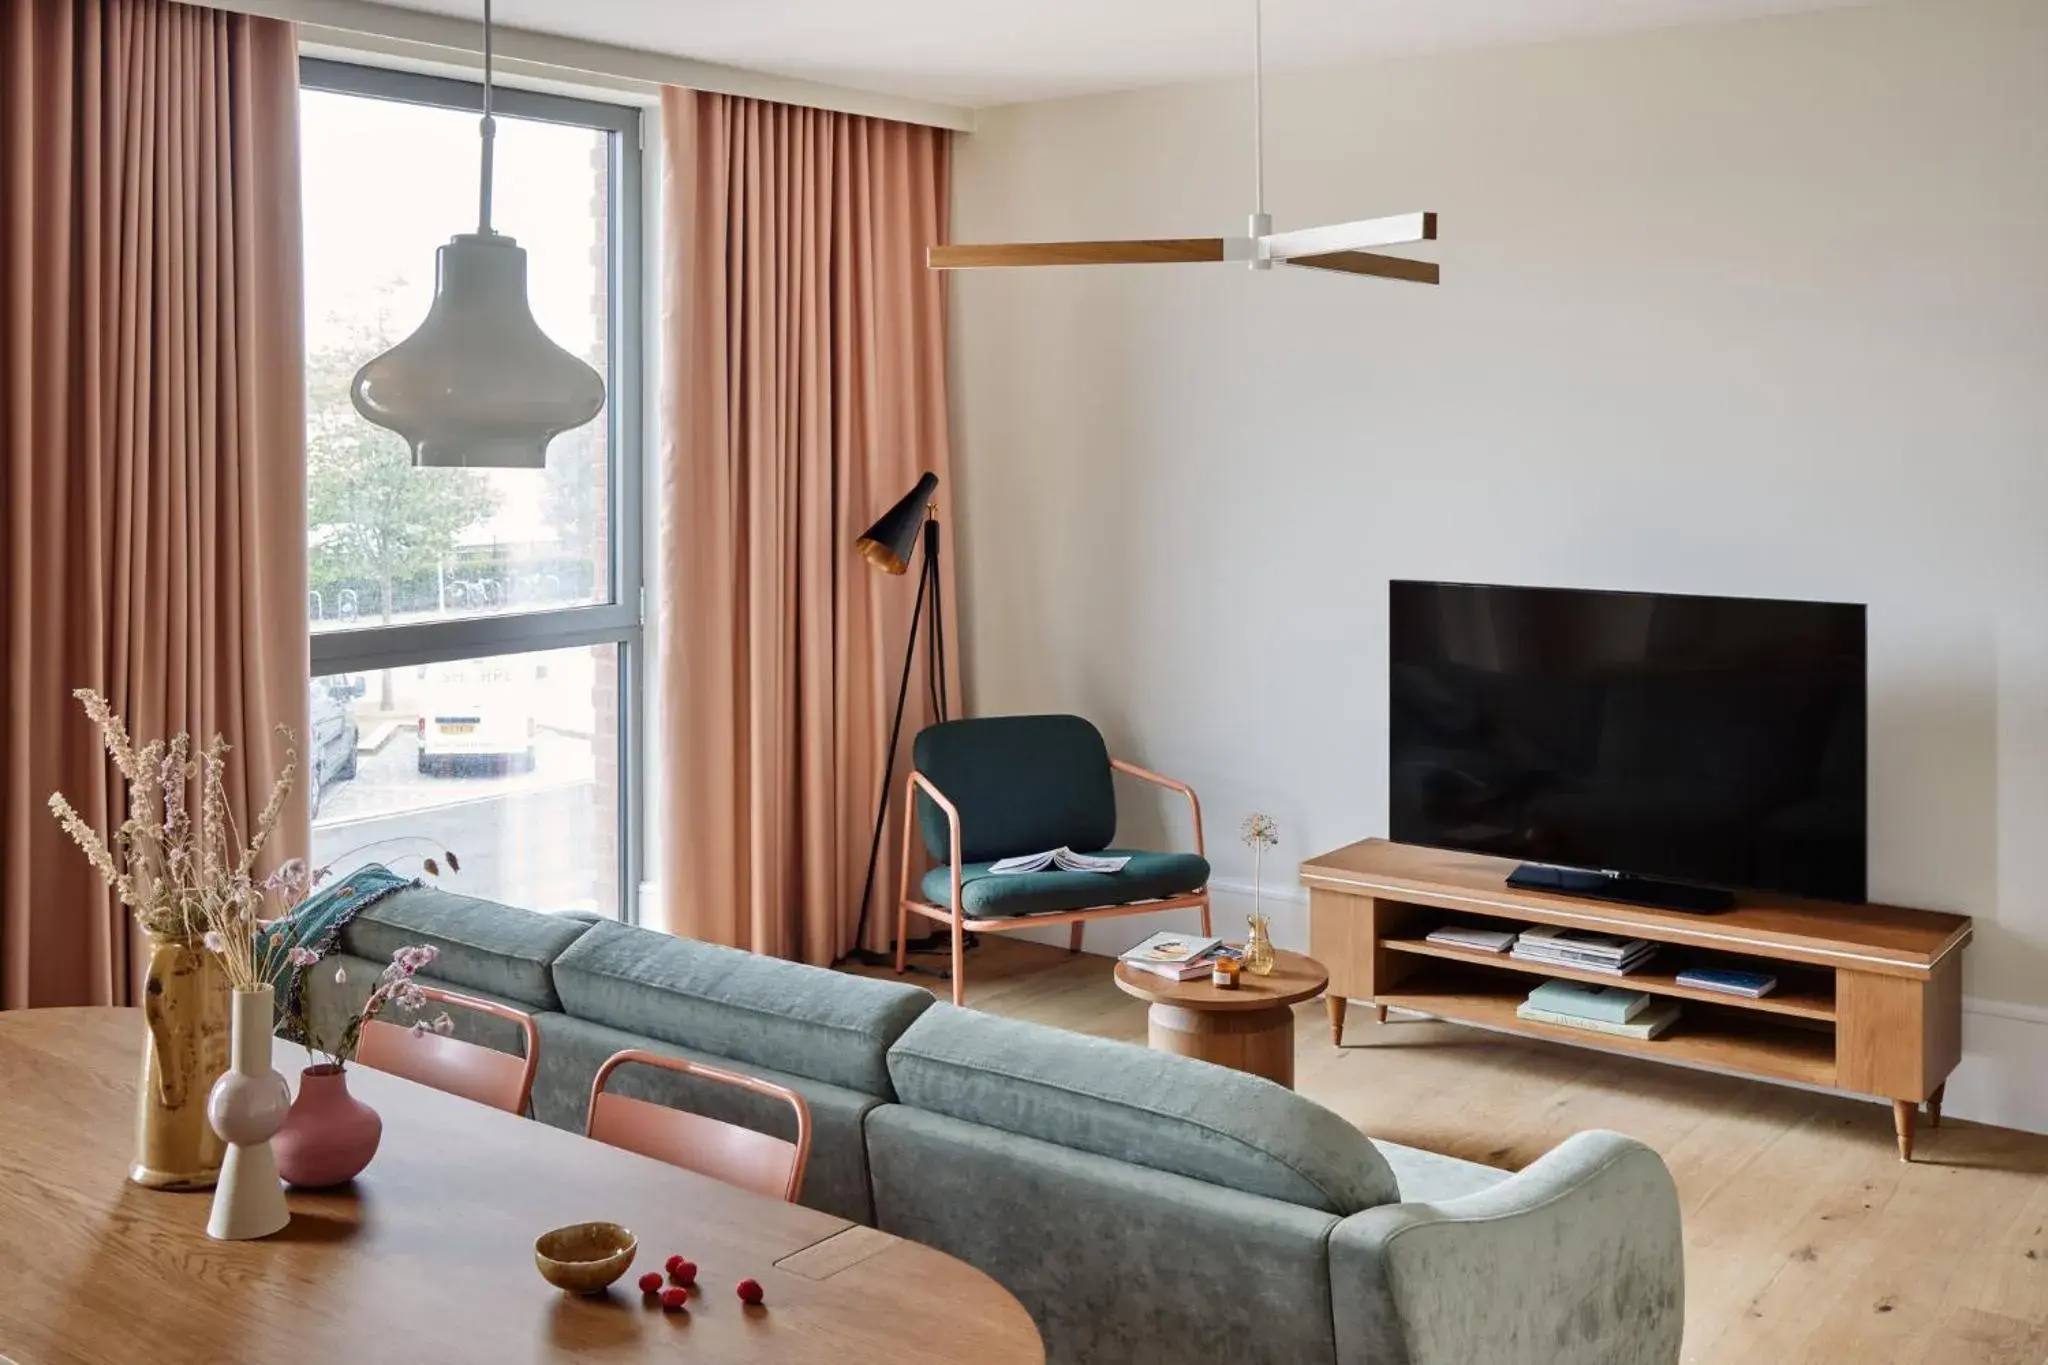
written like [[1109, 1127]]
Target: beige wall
[[1756, 309]]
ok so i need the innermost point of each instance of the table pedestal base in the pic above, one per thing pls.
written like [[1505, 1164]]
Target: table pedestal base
[[1258, 1041]]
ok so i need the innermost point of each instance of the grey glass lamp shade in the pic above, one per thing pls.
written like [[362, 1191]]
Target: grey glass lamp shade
[[478, 385]]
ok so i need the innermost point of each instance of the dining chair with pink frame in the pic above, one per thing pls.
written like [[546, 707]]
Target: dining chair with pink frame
[[724, 1151], [470, 1070]]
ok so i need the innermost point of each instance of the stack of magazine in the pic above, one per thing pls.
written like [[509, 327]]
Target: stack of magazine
[[1582, 949], [1613, 1010], [1177, 957]]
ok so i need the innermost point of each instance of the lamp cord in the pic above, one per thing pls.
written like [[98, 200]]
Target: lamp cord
[[1258, 107], [490, 133]]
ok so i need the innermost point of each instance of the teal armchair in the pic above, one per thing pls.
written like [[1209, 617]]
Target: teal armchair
[[1005, 786]]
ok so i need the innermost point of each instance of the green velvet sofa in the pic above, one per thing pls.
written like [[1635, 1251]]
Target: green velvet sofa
[[1143, 1207]]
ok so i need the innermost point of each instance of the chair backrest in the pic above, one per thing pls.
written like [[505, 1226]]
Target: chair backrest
[[470, 1070], [724, 1151], [1022, 784]]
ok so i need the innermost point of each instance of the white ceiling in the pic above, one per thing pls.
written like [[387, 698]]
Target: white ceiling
[[981, 52]]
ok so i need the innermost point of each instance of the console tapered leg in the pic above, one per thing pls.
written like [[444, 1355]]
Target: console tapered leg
[[1904, 1112], [1380, 1013], [1336, 1005], [1934, 1106]]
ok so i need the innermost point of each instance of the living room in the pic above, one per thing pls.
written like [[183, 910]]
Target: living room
[[619, 763]]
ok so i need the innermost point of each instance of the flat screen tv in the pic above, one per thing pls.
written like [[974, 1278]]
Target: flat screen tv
[[1637, 746]]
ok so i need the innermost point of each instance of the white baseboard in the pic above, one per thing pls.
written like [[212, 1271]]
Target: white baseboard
[[2003, 1077], [2002, 1080]]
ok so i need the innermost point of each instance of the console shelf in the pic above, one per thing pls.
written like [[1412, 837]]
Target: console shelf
[[1797, 1004], [1754, 1044], [1869, 997]]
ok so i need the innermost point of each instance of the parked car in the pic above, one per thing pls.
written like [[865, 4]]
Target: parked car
[[478, 715], [333, 757]]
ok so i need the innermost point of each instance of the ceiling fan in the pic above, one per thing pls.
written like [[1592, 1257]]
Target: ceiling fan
[[1345, 247]]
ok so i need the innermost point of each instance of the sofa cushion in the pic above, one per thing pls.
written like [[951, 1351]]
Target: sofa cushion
[[1131, 1104], [1022, 784], [1117, 1264], [485, 946], [803, 1020], [1148, 876]]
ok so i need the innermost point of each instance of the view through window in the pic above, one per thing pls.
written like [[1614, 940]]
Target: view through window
[[472, 629]]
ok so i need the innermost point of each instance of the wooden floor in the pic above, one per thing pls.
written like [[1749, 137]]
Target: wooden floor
[[1807, 1240]]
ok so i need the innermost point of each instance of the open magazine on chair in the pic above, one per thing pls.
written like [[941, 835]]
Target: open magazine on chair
[[1062, 858]]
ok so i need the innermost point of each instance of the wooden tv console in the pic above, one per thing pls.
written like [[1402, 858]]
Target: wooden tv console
[[1869, 997]]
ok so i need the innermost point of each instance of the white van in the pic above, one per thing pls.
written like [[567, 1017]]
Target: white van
[[478, 715]]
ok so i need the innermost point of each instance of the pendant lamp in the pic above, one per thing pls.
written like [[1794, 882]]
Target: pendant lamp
[[479, 385], [1342, 247]]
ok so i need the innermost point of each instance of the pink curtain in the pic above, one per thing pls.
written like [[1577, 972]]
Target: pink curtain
[[805, 392], [152, 467]]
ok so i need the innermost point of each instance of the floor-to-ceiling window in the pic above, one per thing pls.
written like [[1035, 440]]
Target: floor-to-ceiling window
[[474, 631]]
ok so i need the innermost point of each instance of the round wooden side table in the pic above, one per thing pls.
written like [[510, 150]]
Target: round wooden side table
[[1250, 1028]]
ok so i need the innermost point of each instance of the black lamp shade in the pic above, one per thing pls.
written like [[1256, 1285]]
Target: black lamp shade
[[888, 543]]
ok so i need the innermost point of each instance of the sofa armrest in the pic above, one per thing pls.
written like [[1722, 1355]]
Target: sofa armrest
[[1577, 1258]]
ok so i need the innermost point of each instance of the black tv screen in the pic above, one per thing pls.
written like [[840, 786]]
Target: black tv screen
[[1717, 741]]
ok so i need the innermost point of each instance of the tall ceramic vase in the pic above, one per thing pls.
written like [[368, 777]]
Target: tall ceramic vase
[[185, 1003], [247, 1106]]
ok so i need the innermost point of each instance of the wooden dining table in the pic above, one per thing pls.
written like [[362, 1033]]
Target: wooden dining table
[[428, 1256]]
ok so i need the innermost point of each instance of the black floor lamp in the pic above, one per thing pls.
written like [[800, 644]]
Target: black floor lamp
[[887, 545]]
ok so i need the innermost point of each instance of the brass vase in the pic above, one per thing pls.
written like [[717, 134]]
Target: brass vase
[[185, 1003], [1258, 949]]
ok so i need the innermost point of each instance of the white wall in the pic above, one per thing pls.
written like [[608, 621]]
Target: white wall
[[1754, 309]]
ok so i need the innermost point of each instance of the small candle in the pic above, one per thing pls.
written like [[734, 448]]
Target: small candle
[[1224, 974]]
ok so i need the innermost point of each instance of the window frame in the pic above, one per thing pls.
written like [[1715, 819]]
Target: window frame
[[619, 622]]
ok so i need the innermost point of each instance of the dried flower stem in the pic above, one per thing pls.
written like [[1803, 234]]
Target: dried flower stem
[[187, 878]]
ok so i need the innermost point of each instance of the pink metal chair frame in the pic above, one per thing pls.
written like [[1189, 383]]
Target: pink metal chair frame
[[906, 904], [724, 1151], [470, 1070]]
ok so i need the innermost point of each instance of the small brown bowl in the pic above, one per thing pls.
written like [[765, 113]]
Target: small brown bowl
[[584, 1258]]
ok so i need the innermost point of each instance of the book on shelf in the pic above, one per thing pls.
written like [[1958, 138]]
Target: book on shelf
[[1729, 981], [1065, 859], [1611, 1004], [1645, 1026], [1470, 936], [1582, 950], [1171, 950], [1580, 942], [1594, 965]]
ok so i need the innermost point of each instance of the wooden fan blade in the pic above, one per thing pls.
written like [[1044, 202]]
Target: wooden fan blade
[[1367, 263], [1140, 251], [1366, 232]]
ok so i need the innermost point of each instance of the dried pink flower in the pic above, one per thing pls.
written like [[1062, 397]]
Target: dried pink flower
[[301, 956], [215, 941], [443, 1025]]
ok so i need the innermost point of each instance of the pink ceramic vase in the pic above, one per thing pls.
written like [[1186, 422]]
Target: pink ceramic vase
[[329, 1135]]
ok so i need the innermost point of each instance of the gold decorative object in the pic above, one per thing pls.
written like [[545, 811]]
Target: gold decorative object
[[1258, 949], [1260, 833], [185, 1002], [584, 1258]]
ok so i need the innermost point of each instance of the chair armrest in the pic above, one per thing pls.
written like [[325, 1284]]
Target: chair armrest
[[1576, 1258], [1157, 780], [911, 786]]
